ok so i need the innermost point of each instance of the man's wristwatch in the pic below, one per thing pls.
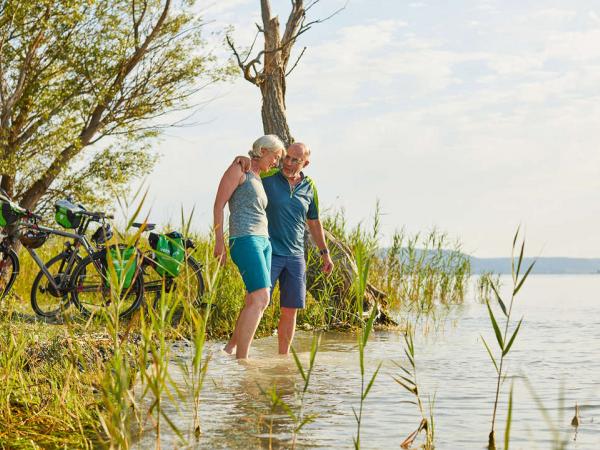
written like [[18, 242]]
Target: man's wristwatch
[[324, 251]]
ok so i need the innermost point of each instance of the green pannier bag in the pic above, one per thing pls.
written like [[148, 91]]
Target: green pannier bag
[[170, 252], [67, 215], [124, 260], [10, 212]]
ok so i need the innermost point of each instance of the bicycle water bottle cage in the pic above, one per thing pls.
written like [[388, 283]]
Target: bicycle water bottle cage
[[10, 212], [68, 215]]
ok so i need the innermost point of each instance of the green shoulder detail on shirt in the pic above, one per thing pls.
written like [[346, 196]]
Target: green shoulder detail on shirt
[[311, 182], [269, 173]]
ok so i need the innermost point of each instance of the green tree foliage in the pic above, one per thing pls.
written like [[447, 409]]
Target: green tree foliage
[[82, 86]]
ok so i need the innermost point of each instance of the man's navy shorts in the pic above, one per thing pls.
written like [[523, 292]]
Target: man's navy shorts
[[291, 273]]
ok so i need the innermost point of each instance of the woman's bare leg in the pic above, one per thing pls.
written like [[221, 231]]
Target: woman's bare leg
[[256, 303]]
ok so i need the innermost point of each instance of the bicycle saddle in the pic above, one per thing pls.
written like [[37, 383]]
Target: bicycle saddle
[[147, 226]]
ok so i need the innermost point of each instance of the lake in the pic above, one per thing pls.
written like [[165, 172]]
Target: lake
[[556, 357]]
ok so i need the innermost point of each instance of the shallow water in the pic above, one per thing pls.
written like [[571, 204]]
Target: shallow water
[[557, 352]]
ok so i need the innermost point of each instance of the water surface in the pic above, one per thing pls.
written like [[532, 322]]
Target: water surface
[[557, 353]]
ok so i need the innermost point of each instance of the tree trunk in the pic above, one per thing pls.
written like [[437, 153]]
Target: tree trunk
[[273, 108]]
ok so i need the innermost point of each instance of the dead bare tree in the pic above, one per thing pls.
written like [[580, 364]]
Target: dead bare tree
[[268, 70]]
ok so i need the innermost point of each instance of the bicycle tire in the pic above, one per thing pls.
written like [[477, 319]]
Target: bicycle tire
[[87, 278], [189, 282], [9, 269], [62, 298]]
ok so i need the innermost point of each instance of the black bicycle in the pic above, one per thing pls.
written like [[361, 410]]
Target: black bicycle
[[109, 275]]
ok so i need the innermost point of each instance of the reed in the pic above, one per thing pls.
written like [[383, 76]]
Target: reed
[[417, 272], [300, 418], [364, 247], [484, 288], [195, 371], [408, 380], [505, 342]]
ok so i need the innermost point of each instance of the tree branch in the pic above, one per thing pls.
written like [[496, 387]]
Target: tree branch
[[244, 67], [297, 61], [94, 122]]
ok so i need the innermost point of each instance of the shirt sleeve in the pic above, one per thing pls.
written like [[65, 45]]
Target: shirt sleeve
[[313, 207]]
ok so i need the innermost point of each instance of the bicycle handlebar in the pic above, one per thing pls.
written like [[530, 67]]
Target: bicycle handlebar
[[97, 215]]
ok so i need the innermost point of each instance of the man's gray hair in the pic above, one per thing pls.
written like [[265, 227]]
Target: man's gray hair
[[269, 142]]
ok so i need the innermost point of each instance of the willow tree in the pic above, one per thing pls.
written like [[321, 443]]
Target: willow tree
[[268, 69], [82, 86]]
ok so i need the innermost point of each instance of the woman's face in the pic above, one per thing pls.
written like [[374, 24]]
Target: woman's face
[[269, 159]]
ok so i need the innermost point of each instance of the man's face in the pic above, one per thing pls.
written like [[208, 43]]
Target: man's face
[[294, 161]]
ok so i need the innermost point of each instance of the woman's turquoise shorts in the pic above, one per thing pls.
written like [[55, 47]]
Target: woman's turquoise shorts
[[252, 256]]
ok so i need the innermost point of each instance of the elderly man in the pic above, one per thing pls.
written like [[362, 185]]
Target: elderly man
[[292, 203]]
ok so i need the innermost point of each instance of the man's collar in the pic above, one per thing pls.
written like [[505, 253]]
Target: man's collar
[[302, 176]]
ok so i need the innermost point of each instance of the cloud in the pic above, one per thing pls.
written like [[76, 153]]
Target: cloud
[[471, 128]]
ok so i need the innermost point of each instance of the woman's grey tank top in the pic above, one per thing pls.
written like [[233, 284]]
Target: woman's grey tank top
[[247, 215]]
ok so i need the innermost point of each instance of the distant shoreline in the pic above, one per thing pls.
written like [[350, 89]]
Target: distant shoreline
[[543, 265]]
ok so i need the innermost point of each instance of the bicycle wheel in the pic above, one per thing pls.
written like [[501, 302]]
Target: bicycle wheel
[[187, 286], [9, 269], [93, 293], [46, 300]]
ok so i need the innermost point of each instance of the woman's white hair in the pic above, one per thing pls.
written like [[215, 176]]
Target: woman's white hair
[[269, 142]]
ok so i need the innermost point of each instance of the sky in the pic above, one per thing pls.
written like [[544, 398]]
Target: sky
[[468, 116]]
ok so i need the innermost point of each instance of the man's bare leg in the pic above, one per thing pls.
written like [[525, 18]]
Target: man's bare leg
[[286, 329]]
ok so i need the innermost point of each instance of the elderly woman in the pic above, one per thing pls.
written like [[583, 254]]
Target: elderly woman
[[248, 236]]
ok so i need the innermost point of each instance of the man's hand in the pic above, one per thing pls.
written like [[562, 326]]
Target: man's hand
[[220, 253], [243, 161], [327, 267]]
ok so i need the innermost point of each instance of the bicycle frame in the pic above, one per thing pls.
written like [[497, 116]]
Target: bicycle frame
[[79, 239]]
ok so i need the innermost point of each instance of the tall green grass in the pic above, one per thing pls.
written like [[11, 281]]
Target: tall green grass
[[100, 382], [416, 272]]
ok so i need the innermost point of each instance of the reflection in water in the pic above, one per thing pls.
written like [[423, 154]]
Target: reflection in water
[[559, 345]]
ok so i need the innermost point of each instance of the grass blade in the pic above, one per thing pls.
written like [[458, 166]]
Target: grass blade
[[495, 325], [512, 339], [512, 259], [372, 380], [408, 380], [412, 362], [298, 364], [508, 419], [524, 278], [520, 260], [491, 356], [369, 325], [500, 302], [401, 383]]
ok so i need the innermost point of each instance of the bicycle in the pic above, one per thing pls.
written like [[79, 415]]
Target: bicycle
[[67, 277], [169, 266], [10, 213], [108, 273]]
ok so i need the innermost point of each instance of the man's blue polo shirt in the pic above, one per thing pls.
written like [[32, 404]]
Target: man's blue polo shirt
[[287, 211]]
